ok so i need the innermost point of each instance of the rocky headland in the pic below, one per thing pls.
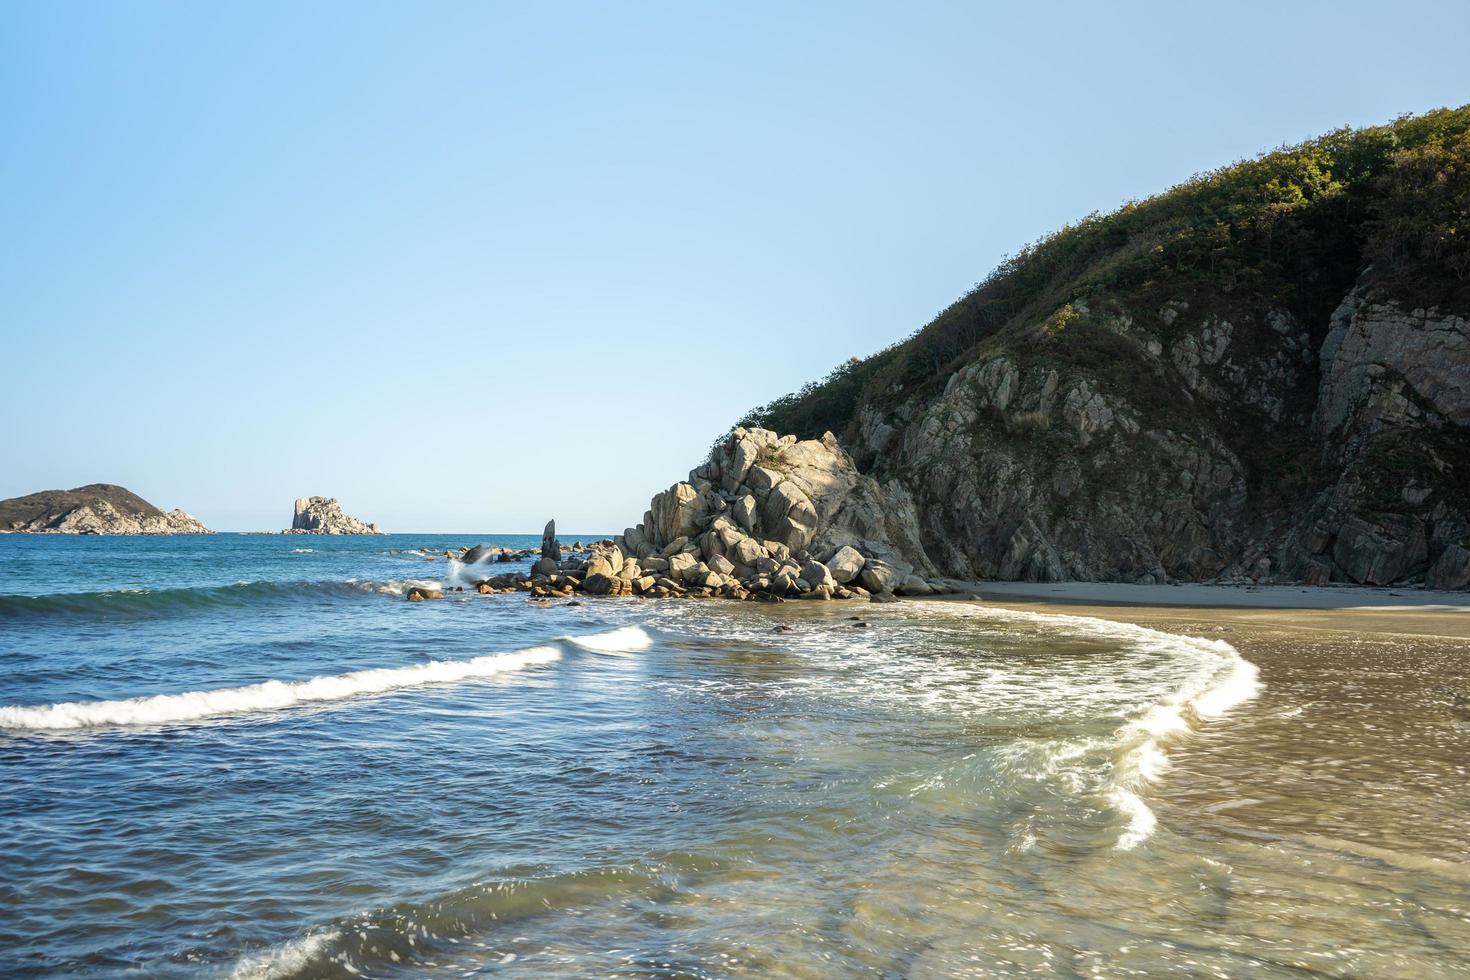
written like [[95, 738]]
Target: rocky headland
[[1259, 376], [323, 515], [765, 517], [1262, 375], [98, 508]]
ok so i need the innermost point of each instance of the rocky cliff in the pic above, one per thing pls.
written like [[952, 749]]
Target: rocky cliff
[[775, 516], [98, 508], [1261, 375], [323, 515]]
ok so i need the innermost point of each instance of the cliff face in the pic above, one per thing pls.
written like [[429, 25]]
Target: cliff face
[[323, 515], [98, 508], [1262, 375], [1251, 451]]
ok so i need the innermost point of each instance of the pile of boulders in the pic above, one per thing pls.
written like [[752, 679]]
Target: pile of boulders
[[681, 570], [765, 517]]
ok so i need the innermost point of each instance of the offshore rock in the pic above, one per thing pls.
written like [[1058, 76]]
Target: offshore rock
[[323, 515]]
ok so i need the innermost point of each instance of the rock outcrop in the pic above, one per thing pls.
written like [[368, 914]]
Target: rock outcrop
[[1261, 375], [98, 508], [772, 514], [766, 518], [1246, 449], [323, 515]]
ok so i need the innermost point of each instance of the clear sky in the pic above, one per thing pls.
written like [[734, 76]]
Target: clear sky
[[467, 267]]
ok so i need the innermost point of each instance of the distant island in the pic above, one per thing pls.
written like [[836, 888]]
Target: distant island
[[98, 508], [323, 515]]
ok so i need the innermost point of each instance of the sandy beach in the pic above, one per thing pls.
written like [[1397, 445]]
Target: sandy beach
[[1266, 608]]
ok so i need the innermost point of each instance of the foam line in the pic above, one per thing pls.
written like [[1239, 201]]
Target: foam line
[[1226, 680], [163, 709]]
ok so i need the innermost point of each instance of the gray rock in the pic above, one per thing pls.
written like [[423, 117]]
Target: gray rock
[[879, 576], [323, 515], [761, 478], [1451, 570], [915, 586], [817, 576], [846, 564], [678, 511], [679, 564]]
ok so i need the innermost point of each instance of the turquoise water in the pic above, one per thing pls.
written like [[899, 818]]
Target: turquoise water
[[249, 756]]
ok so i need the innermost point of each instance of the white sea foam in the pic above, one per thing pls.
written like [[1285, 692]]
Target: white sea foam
[[1221, 680], [620, 642], [190, 706], [1141, 819], [401, 586], [284, 960]]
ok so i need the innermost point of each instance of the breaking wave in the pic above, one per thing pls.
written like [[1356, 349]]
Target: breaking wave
[[191, 706], [1221, 680]]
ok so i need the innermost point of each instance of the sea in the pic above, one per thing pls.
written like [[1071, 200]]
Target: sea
[[248, 756]]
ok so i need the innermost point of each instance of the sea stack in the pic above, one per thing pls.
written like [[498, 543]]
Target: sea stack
[[550, 547], [323, 515]]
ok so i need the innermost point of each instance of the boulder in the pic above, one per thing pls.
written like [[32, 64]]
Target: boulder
[[721, 564], [544, 566], [748, 551], [761, 478], [914, 585], [679, 564], [479, 553], [817, 576], [744, 512], [1451, 570], [598, 583], [788, 515], [846, 564], [879, 576], [550, 547], [677, 512]]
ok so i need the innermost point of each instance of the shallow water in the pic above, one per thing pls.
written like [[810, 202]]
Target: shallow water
[[249, 756]]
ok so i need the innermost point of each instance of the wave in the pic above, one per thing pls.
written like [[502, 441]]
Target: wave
[[400, 937], [151, 603], [192, 706], [1222, 681], [287, 959]]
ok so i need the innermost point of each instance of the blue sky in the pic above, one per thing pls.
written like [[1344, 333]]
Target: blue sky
[[467, 267]]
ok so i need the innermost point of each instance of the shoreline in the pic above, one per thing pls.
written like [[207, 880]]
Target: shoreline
[[1224, 608]]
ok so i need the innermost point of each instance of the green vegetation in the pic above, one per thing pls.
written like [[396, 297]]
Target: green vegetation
[[1293, 229]]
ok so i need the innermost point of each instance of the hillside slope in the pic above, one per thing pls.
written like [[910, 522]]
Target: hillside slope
[[1263, 373], [98, 508]]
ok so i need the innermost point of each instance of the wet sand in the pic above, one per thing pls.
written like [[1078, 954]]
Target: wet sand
[[1253, 612]]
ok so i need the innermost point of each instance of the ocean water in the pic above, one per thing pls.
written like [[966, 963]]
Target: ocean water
[[248, 756]]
